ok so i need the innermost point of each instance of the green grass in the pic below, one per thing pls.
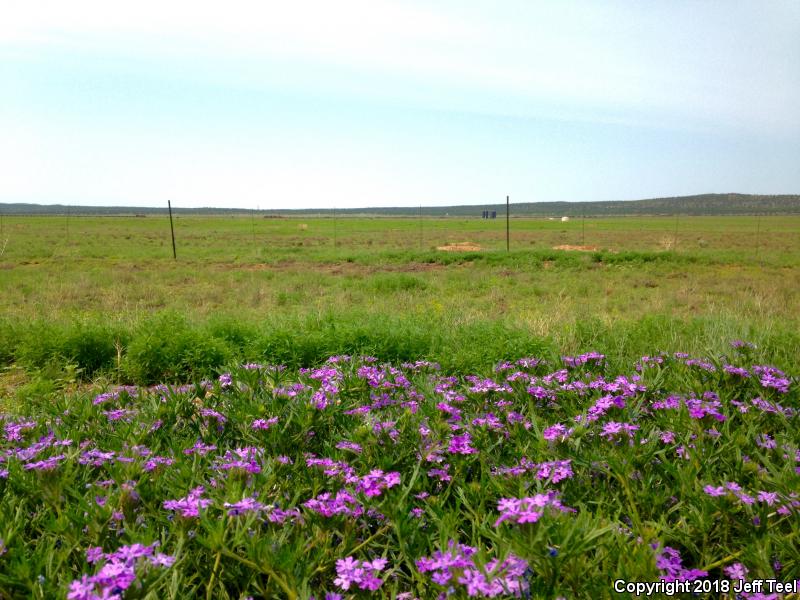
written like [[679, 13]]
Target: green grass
[[104, 295]]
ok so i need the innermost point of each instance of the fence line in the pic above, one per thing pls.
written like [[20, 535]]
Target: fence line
[[757, 235]]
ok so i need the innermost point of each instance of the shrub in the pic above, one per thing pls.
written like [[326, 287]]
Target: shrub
[[91, 347], [167, 348]]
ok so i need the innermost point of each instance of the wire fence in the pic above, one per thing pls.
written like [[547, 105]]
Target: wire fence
[[257, 234]]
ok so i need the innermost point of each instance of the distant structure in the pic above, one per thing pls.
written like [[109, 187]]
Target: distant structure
[[564, 219], [494, 214], [487, 214]]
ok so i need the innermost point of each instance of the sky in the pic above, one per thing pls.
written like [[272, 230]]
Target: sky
[[319, 104]]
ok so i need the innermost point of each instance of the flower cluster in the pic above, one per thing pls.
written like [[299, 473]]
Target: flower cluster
[[376, 481], [264, 424], [550, 471], [458, 566], [614, 431], [343, 503], [557, 433], [359, 574], [669, 562], [529, 510], [118, 571], [191, 505], [784, 505]]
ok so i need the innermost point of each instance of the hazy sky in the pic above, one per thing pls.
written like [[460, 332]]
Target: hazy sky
[[367, 103]]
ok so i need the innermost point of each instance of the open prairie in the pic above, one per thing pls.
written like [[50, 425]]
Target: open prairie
[[86, 291], [299, 290]]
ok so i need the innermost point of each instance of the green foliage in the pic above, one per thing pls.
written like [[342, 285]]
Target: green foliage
[[38, 343], [167, 348], [92, 347], [236, 334], [8, 341]]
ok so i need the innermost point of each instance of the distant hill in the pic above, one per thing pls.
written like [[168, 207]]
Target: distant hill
[[701, 204]]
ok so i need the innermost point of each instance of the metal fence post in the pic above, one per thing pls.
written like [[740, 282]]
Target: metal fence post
[[172, 231]]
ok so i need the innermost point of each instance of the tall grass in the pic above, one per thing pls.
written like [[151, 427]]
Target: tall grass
[[170, 347]]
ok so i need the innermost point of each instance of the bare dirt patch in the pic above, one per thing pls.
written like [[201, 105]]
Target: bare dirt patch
[[576, 248], [414, 267], [244, 267], [357, 269], [342, 268], [460, 247]]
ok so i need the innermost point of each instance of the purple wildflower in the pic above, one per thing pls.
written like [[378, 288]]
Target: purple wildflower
[[244, 506], [376, 481], [264, 424], [457, 566], [345, 445], [191, 505], [360, 574], [736, 571], [669, 562], [529, 510], [118, 573], [200, 448], [48, 464], [612, 430], [557, 432], [460, 444], [152, 463]]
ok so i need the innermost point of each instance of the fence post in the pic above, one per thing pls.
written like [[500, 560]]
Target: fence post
[[172, 231], [508, 227], [334, 227]]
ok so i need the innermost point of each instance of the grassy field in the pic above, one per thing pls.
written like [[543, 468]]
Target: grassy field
[[103, 295], [535, 423]]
